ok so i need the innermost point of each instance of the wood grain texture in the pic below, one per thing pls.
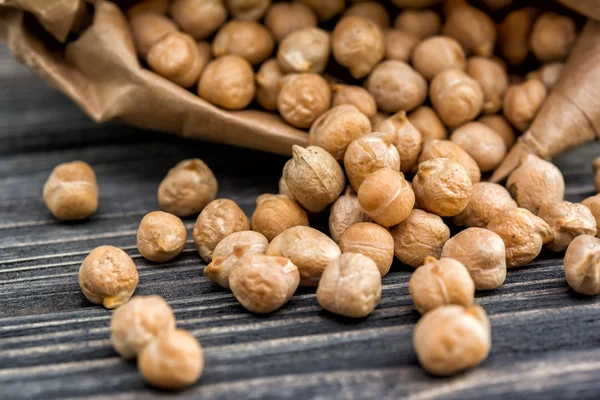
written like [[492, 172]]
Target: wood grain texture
[[54, 344]]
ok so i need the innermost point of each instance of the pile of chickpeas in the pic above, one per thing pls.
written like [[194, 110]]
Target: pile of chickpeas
[[390, 184]]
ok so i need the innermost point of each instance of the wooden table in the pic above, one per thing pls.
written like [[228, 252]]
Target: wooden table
[[54, 344]]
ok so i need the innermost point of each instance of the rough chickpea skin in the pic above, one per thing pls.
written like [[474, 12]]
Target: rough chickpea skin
[[492, 78], [419, 236], [248, 10], [350, 286], [396, 86], [229, 251], [303, 98], [456, 97], [275, 213], [176, 57], [174, 360], [427, 122], [370, 240], [405, 137], [593, 204], [138, 322], [567, 221], [148, 6], [421, 23], [149, 28], [71, 191], [325, 9], [522, 102], [399, 45], [548, 74], [108, 276], [246, 39], [355, 96], [452, 338], [473, 28], [267, 84], [345, 212], [370, 10], [582, 265], [523, 234], [161, 236], [447, 149], [228, 82], [304, 50], [499, 124], [487, 200], [285, 18], [513, 34], [436, 54], [483, 144], [552, 37], [199, 18]]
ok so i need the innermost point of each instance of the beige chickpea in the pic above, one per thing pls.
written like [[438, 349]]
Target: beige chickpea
[[399, 45], [161, 236], [275, 213], [314, 177], [350, 286], [441, 282], [415, 3], [229, 251], [345, 212], [71, 191], [513, 34], [372, 10], [147, 29], [303, 98], [325, 9], [522, 102], [499, 124], [176, 57], [452, 338], [267, 84], [582, 262], [370, 240], [304, 50], [436, 54], [483, 144], [552, 37], [248, 10], [148, 6], [548, 74], [421, 23], [310, 250], [487, 200], [473, 28], [228, 82], [593, 204], [428, 123], [355, 96], [567, 221], [396, 86], [138, 322], [174, 360], [199, 18], [406, 138], [219, 219], [285, 18], [493, 80], [523, 234], [108, 276], [247, 39], [447, 149], [456, 97], [386, 197], [419, 236], [483, 253], [188, 188]]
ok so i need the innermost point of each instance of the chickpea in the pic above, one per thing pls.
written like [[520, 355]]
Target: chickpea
[[219, 219], [148, 6], [396, 86], [523, 234], [386, 197], [452, 338], [421, 23], [275, 213], [370, 10], [567, 221], [285, 18], [188, 188], [173, 361], [304, 50], [350, 286], [138, 322], [176, 57], [399, 45], [370, 240], [552, 37], [161, 236], [582, 264], [499, 124], [406, 138], [147, 29], [513, 34], [248, 10], [303, 98], [483, 144], [229, 251], [493, 80], [345, 212], [228, 82], [456, 97], [267, 84], [593, 204], [199, 18], [436, 54], [426, 120], [473, 28], [325, 9], [71, 191], [314, 177], [247, 39], [522, 102], [548, 74], [358, 45], [487, 200], [354, 96], [447, 149], [108, 276], [419, 236]]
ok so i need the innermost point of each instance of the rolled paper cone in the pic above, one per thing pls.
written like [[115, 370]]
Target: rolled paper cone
[[571, 115]]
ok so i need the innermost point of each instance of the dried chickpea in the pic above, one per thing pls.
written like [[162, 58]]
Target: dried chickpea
[[396, 86], [267, 84], [419, 236], [71, 191], [138, 322], [314, 177], [483, 253], [149, 28], [355, 96], [548, 74], [350, 286], [447, 149], [345, 212], [522, 102], [441, 282], [248, 10], [370, 10], [487, 200], [247, 39], [285, 18], [303, 98], [523, 234], [148, 6], [229, 251], [399, 45], [370, 240], [161, 236], [310, 250], [593, 204], [188, 188], [228, 82], [582, 263], [426, 120], [176, 57], [386, 197], [499, 124], [406, 138], [493, 80], [174, 360], [421, 23], [436, 54], [552, 37], [219, 219], [415, 3], [456, 97], [275, 213], [452, 338], [108, 276], [473, 28], [567, 221], [304, 50], [483, 144], [325, 9], [199, 18], [513, 34]]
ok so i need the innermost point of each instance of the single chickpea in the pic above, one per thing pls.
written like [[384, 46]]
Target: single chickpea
[[522, 102], [386, 197], [355, 96], [248, 10], [350, 286], [405, 137], [304, 50], [456, 97], [483, 253], [176, 57], [138, 322], [174, 360], [441, 282], [426, 120], [452, 338], [148, 6], [310, 250], [415, 3], [436, 54], [421, 23], [548, 74], [303, 98], [71, 191], [262, 283], [149, 28], [228, 82], [370, 240], [188, 188], [473, 28], [219, 219], [493, 80], [325, 9], [275, 213], [247, 39], [108, 276], [487, 200], [523, 234], [536, 182], [582, 261], [552, 37], [447, 149], [314, 177], [499, 124], [285, 18], [593, 204], [370, 10], [567, 221], [396, 86], [419, 236], [399, 45], [229, 251], [345, 212], [267, 84], [161, 236], [199, 18], [483, 144], [513, 34]]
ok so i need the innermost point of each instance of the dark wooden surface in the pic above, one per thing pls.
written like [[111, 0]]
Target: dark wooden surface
[[54, 344]]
